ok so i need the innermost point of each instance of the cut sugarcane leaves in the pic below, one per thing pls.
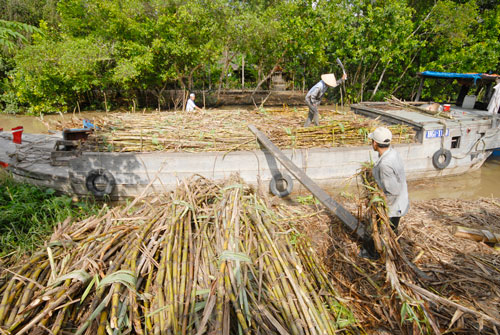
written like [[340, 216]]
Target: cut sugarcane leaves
[[124, 277], [235, 256], [223, 130]]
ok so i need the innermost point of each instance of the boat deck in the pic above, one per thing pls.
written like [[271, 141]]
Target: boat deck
[[461, 122]]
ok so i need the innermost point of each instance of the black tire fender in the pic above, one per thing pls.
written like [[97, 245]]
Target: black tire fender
[[90, 182], [438, 162], [284, 178]]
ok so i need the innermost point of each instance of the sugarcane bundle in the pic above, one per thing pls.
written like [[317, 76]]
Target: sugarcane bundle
[[216, 130], [208, 258]]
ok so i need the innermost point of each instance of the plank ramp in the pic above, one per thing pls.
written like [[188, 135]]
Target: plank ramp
[[350, 222]]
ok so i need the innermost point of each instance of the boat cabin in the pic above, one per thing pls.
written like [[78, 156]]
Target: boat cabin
[[475, 93]]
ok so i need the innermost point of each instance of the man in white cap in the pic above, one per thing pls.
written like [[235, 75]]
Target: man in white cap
[[313, 97], [190, 105], [389, 173]]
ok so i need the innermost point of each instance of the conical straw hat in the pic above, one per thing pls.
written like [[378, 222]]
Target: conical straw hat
[[329, 79]]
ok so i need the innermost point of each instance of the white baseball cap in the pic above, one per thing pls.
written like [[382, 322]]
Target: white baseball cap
[[381, 135]]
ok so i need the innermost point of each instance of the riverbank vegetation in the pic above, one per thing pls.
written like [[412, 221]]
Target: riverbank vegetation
[[29, 214], [71, 54]]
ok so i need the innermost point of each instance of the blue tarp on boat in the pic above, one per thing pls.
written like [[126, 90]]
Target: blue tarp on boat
[[451, 75]]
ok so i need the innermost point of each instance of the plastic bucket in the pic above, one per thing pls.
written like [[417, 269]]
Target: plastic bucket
[[446, 108], [17, 134]]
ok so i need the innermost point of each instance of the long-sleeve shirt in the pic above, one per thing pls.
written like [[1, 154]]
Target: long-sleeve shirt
[[190, 105], [317, 91], [389, 173]]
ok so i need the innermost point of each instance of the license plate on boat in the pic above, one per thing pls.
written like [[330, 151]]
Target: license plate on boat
[[436, 133]]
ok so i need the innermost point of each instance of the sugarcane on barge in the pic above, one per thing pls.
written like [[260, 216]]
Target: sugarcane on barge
[[446, 142]]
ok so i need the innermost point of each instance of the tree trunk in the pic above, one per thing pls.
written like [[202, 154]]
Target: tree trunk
[[190, 78], [243, 72], [380, 79], [269, 74], [358, 70], [223, 73], [304, 80]]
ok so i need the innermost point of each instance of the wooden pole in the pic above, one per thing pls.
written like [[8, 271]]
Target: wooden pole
[[352, 223], [420, 87]]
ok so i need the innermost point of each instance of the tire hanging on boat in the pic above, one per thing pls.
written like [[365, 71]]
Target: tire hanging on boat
[[99, 175], [286, 180], [438, 162]]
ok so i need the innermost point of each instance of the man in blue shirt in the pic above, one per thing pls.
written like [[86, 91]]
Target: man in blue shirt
[[313, 97]]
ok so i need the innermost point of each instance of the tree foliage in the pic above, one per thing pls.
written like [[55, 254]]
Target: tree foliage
[[137, 46]]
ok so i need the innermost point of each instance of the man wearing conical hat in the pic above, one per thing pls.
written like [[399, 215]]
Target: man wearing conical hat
[[313, 97]]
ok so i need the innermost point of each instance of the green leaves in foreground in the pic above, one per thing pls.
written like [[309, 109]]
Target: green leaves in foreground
[[30, 212]]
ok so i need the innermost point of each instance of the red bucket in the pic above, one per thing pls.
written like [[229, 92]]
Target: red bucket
[[17, 134], [4, 165], [446, 107]]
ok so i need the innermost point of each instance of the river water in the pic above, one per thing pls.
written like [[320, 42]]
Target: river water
[[484, 182]]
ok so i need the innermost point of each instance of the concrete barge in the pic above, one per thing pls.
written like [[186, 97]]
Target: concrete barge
[[444, 147]]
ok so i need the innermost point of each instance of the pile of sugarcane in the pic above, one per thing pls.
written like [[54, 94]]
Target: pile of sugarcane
[[414, 300], [223, 130], [206, 259]]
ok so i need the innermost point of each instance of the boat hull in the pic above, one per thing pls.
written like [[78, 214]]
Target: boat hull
[[154, 172]]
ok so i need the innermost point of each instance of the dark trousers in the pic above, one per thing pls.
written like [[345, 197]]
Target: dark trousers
[[313, 115], [395, 223], [369, 245]]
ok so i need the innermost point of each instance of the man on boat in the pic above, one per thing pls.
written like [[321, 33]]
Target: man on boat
[[389, 173], [190, 105], [313, 97]]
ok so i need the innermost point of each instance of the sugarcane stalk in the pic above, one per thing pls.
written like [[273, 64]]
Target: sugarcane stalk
[[49, 308], [115, 300], [147, 318], [103, 320]]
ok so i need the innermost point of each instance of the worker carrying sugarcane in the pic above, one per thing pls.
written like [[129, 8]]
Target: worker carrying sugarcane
[[389, 173], [190, 105], [313, 97]]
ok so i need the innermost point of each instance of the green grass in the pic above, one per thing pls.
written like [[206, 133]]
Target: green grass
[[29, 213]]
